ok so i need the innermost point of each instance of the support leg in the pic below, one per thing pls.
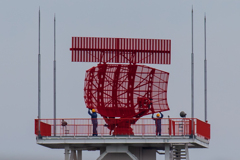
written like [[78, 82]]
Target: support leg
[[117, 149], [73, 155], [79, 157], [171, 155], [167, 151], [102, 155], [140, 153], [67, 153], [186, 150], [132, 155]]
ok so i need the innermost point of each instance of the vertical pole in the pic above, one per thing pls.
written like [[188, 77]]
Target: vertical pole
[[66, 153], [140, 153], [39, 78], [54, 78], [186, 151], [73, 155], [167, 151], [205, 70], [79, 153], [192, 80]]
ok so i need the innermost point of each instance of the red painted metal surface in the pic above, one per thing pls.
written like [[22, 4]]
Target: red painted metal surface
[[45, 128], [143, 127], [126, 91], [203, 129], [121, 50]]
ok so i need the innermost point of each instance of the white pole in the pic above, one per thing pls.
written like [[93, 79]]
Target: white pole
[[205, 70], [192, 79], [167, 151], [186, 151], [54, 77], [79, 152], [39, 78], [67, 153]]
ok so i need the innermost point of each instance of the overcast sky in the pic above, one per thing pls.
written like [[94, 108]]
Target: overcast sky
[[110, 18]]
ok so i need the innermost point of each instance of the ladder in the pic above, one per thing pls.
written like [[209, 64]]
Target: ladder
[[180, 152]]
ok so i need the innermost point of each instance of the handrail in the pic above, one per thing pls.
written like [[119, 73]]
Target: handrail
[[143, 127]]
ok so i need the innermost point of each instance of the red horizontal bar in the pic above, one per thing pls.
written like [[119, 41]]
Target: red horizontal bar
[[115, 50]]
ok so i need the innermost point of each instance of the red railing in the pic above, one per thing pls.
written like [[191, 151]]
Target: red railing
[[143, 127]]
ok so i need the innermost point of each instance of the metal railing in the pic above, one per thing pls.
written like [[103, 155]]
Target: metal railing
[[143, 127]]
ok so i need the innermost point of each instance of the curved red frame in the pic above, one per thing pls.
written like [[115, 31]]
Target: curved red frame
[[126, 91]]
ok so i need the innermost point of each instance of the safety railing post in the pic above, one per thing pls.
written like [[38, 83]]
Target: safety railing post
[[195, 126], [184, 127], [74, 128], [56, 126], [102, 129], [128, 121], [60, 130], [88, 127], [99, 130], [115, 127]]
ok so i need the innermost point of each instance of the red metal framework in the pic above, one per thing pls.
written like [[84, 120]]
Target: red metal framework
[[126, 91], [143, 127], [121, 50]]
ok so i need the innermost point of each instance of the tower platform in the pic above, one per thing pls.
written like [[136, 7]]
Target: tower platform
[[96, 142], [76, 136]]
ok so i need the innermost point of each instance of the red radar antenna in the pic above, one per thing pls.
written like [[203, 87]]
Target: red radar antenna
[[118, 91], [121, 50]]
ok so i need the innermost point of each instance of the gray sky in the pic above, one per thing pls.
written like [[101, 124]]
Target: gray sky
[[108, 18]]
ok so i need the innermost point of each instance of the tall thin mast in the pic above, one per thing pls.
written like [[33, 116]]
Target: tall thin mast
[[54, 77], [192, 79], [205, 71], [39, 78]]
